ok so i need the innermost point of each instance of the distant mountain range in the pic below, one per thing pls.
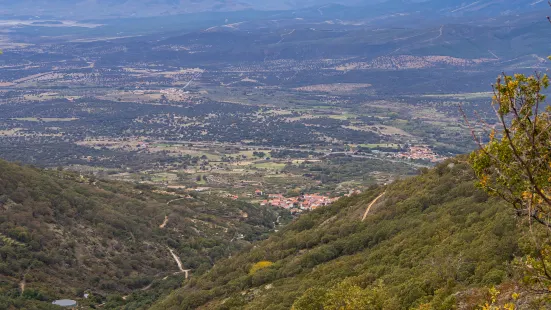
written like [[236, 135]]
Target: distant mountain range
[[128, 8]]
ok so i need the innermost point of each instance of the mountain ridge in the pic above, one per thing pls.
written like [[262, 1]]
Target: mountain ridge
[[140, 8]]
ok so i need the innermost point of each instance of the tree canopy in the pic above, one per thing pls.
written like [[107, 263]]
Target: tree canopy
[[515, 163]]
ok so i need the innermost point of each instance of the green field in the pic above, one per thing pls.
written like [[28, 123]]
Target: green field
[[269, 165]]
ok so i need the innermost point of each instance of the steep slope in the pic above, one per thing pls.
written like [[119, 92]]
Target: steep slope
[[426, 239], [62, 234]]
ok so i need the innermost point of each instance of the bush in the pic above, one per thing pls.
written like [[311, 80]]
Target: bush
[[260, 265]]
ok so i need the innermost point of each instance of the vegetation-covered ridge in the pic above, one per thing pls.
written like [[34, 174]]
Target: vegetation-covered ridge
[[433, 241], [63, 235]]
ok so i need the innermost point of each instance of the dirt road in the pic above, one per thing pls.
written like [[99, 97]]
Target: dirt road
[[179, 263], [164, 222], [370, 205]]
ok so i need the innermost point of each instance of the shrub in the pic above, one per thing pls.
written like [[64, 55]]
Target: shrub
[[260, 265]]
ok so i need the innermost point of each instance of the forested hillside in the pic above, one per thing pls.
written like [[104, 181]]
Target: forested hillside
[[430, 242], [63, 235]]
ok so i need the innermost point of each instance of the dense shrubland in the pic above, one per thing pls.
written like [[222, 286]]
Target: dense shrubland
[[428, 241], [62, 234]]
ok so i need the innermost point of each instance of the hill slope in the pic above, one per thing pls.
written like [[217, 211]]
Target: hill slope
[[424, 241], [62, 234]]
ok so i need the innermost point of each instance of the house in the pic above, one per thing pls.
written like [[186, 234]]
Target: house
[[258, 192]]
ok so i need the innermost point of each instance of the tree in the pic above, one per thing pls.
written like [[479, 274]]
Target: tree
[[259, 154], [346, 295], [515, 163], [260, 265]]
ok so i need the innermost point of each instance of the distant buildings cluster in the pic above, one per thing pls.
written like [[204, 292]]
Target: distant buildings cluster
[[175, 93], [420, 152], [298, 204]]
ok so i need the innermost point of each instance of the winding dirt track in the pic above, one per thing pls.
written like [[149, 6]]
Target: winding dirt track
[[371, 204], [162, 226], [23, 282], [179, 263]]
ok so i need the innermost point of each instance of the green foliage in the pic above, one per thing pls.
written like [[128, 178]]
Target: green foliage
[[260, 265], [427, 239], [65, 236], [516, 164], [492, 304], [346, 295]]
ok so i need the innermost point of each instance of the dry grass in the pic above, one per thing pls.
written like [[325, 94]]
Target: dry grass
[[10, 132]]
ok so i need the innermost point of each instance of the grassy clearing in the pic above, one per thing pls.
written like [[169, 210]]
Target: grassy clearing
[[343, 117], [164, 177], [389, 130], [249, 154], [162, 145], [270, 165]]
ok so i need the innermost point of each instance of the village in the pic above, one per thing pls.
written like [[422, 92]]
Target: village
[[296, 205], [421, 153]]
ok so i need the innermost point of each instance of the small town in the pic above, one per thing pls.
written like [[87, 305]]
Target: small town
[[296, 205], [420, 153]]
